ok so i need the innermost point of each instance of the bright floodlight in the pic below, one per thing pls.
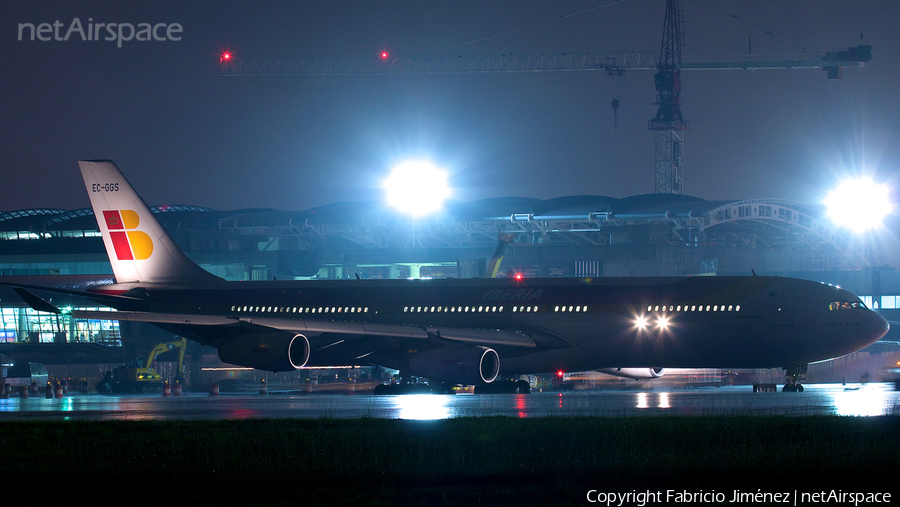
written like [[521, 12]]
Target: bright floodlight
[[417, 188], [859, 204]]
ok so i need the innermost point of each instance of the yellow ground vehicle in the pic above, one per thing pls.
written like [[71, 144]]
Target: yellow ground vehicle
[[503, 241], [136, 377]]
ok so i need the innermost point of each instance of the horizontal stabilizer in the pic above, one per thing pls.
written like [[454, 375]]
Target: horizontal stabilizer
[[36, 303]]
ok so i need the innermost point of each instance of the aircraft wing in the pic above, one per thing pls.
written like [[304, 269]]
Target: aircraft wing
[[492, 337]]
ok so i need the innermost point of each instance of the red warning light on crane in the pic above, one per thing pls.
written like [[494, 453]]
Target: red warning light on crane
[[384, 55], [225, 57]]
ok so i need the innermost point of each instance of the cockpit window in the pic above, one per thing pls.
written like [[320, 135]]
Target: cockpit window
[[845, 305]]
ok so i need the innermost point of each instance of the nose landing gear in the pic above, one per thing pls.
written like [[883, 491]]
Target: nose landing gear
[[793, 377]]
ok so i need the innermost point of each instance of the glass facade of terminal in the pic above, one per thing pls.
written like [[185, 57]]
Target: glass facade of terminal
[[24, 325]]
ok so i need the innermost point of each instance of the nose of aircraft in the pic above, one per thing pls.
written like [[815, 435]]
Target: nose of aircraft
[[876, 327]]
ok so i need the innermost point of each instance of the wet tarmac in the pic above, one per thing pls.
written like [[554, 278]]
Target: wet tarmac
[[818, 399]]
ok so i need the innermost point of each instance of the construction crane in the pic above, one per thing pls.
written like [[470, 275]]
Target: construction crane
[[669, 123], [668, 65]]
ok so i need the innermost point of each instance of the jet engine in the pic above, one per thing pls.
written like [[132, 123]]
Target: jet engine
[[275, 351], [457, 365], [637, 373]]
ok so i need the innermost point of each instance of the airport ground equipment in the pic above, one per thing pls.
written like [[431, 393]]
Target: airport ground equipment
[[136, 377], [24, 374], [503, 242]]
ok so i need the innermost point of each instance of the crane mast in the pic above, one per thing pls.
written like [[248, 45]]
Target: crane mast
[[669, 123]]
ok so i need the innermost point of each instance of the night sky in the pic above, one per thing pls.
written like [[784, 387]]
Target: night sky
[[184, 135]]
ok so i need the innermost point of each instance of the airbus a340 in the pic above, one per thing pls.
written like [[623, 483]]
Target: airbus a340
[[466, 331]]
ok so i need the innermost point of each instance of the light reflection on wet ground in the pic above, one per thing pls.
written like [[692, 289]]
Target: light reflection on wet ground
[[821, 399]]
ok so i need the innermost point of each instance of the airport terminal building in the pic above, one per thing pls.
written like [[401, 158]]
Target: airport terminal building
[[576, 236]]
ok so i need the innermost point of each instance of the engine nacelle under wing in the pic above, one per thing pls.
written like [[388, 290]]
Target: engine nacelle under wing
[[457, 365], [275, 351], [637, 373]]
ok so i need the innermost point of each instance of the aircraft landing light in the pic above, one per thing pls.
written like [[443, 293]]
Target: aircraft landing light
[[641, 322]]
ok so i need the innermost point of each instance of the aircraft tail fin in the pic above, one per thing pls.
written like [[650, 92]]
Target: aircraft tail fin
[[139, 248]]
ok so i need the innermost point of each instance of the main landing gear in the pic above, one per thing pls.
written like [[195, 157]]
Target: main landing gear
[[410, 385], [793, 378]]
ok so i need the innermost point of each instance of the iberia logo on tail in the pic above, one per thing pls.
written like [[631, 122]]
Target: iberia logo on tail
[[130, 245]]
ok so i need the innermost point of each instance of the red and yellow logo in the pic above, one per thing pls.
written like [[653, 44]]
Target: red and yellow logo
[[130, 245]]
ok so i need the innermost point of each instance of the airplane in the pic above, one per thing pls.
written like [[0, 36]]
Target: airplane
[[464, 331]]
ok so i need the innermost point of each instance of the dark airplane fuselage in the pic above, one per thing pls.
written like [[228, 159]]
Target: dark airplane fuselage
[[575, 323]]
